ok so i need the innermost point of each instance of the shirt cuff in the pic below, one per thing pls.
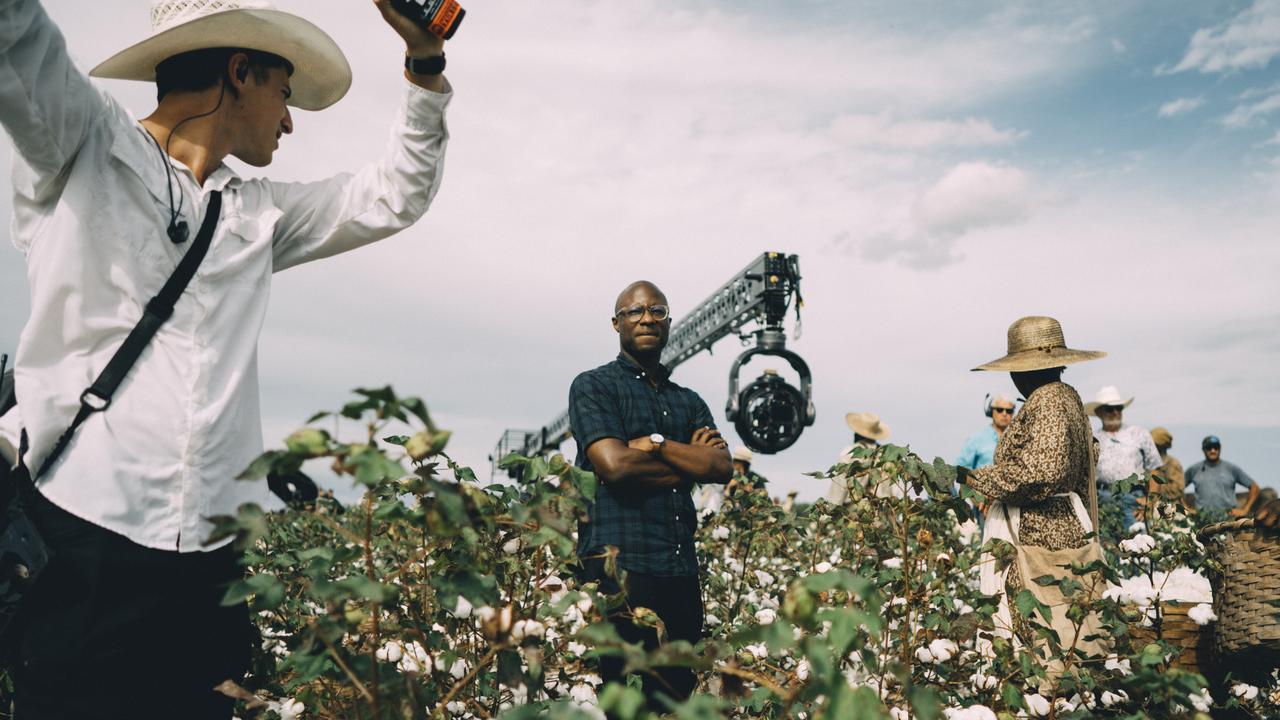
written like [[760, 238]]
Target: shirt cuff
[[423, 108]]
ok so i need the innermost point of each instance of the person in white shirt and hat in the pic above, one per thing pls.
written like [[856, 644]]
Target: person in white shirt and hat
[[868, 432], [126, 620], [1123, 450]]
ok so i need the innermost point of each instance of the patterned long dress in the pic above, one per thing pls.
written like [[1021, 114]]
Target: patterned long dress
[[1044, 452]]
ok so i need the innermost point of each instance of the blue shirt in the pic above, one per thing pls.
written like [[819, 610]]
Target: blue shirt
[[1216, 484], [652, 528], [980, 449]]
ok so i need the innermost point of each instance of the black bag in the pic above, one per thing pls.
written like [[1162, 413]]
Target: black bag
[[23, 554]]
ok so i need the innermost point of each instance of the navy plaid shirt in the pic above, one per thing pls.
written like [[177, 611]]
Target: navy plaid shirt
[[652, 529]]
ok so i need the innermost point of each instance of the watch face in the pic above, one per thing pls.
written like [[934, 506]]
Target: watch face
[[657, 438]]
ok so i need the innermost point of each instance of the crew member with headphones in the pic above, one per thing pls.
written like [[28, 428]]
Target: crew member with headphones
[[980, 449], [106, 212]]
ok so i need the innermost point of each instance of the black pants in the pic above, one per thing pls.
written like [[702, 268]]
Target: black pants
[[678, 602], [113, 630]]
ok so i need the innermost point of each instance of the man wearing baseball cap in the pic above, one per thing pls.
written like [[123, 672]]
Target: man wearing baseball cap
[[1216, 481], [126, 620]]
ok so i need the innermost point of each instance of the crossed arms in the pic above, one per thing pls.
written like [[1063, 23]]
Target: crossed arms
[[640, 465]]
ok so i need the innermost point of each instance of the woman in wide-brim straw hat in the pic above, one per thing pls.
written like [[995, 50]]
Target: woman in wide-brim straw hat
[[1041, 474]]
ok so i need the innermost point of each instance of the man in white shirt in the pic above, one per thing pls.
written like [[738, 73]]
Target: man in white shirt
[[1123, 450], [126, 620]]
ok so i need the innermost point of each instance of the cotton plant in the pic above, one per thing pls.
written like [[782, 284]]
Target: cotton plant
[[438, 595]]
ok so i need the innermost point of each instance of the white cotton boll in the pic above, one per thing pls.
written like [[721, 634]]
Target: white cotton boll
[[822, 567], [898, 601], [458, 669], [1201, 701], [711, 621], [835, 557], [484, 613], [291, 709], [893, 563], [511, 546], [576, 648], [720, 532], [981, 681], [527, 629], [897, 713], [764, 578], [766, 616], [964, 609], [456, 707], [463, 609], [1139, 544], [1203, 614], [973, 712], [391, 652], [1138, 527], [943, 649], [584, 604], [802, 670], [583, 693], [1063, 706], [1244, 691], [1117, 664], [1110, 699], [759, 651], [923, 655], [1037, 705]]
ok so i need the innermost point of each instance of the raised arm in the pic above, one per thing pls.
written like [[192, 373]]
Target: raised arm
[[46, 104]]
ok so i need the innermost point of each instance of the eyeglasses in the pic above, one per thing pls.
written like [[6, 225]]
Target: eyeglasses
[[1002, 410], [1111, 409], [635, 313]]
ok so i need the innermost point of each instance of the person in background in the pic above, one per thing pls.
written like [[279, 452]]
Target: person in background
[[868, 432], [1123, 450], [980, 448], [1174, 485], [743, 476], [1216, 481]]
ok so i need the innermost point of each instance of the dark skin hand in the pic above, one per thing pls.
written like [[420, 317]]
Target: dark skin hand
[[639, 464]]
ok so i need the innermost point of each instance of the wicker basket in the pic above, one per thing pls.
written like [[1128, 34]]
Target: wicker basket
[[1246, 586], [1178, 629]]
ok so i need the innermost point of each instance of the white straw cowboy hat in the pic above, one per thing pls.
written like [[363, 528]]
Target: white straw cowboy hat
[[743, 455], [868, 425], [1036, 343], [321, 74], [1109, 395]]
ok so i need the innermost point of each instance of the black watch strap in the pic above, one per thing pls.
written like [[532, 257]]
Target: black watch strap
[[433, 65]]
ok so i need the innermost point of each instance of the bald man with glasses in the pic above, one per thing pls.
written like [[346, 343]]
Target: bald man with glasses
[[648, 441]]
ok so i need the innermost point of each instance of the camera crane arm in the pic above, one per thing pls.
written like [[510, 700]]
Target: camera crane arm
[[762, 292]]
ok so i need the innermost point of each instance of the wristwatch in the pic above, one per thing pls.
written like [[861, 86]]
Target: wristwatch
[[657, 439], [433, 65]]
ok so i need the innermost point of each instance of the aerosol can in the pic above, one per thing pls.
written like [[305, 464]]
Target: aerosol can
[[438, 17]]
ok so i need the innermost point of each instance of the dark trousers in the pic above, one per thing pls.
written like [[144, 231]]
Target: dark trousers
[[677, 602], [113, 630]]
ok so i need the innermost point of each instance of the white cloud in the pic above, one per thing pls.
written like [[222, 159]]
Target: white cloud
[[970, 196], [1249, 113], [1247, 41], [1180, 106], [882, 130]]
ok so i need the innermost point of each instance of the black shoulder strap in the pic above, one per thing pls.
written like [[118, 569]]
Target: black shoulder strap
[[98, 396]]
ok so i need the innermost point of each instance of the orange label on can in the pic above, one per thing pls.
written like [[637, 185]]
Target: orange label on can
[[445, 17]]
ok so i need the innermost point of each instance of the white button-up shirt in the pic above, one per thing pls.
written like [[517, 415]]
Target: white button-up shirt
[[90, 213]]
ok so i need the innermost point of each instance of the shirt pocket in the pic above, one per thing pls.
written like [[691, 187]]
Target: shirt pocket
[[241, 252]]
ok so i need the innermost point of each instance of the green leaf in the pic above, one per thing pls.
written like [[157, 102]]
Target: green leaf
[[266, 590], [925, 703], [1028, 605], [1013, 697], [396, 439]]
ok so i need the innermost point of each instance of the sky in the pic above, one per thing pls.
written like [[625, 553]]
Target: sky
[[941, 169]]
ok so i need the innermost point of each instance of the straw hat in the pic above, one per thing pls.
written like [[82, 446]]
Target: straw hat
[[743, 455], [867, 424], [1161, 437], [1036, 343], [1109, 395], [321, 74]]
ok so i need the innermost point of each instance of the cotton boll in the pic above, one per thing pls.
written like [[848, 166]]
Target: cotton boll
[[291, 709], [802, 670], [923, 655], [1244, 691], [822, 567], [1203, 614], [720, 532], [1037, 705], [711, 620], [463, 609], [1139, 544], [943, 650], [456, 707], [1120, 665], [764, 578], [583, 693], [897, 713], [511, 546], [981, 681], [766, 616], [527, 629], [1111, 699], [892, 563], [1138, 527], [1201, 701]]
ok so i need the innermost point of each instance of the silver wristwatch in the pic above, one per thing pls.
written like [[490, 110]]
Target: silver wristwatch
[[657, 439]]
